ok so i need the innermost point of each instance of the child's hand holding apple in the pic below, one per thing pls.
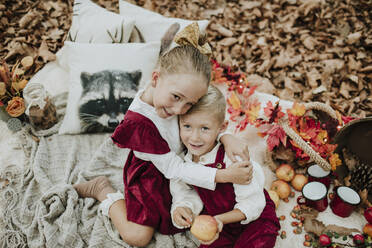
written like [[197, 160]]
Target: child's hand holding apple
[[183, 216], [206, 229]]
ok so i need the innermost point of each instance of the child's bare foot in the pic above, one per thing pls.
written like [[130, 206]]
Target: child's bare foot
[[96, 188]]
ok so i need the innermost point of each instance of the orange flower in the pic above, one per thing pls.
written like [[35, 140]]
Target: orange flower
[[335, 161], [2, 88], [16, 106]]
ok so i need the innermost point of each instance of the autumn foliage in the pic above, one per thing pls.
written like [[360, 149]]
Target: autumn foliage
[[244, 110]]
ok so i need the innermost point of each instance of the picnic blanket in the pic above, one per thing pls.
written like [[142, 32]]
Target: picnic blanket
[[40, 206]]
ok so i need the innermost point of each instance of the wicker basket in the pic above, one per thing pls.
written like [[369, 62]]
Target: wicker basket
[[356, 136], [324, 113]]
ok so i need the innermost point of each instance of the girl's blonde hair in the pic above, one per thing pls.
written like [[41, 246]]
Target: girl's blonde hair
[[213, 102], [185, 59]]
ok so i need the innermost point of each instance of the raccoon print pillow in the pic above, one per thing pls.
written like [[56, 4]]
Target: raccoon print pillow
[[103, 80], [105, 98]]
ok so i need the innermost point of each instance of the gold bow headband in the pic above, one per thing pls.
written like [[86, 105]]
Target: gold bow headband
[[191, 35]]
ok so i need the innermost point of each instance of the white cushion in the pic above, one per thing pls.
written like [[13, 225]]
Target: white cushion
[[94, 24], [153, 25], [93, 59]]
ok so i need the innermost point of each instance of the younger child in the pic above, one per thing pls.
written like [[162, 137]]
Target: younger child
[[246, 211], [150, 130]]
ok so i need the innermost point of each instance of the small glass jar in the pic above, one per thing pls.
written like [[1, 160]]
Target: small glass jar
[[40, 109]]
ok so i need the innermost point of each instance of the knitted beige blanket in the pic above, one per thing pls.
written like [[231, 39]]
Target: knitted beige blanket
[[39, 204]]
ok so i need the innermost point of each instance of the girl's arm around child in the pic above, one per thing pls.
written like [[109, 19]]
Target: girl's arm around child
[[173, 167]]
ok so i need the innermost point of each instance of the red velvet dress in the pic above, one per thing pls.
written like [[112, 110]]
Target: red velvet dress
[[260, 233], [147, 195]]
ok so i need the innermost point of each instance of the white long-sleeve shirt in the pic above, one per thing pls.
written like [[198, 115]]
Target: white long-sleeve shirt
[[171, 165], [250, 199]]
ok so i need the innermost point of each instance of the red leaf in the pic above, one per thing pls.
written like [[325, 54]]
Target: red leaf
[[274, 113], [276, 135], [251, 91], [269, 109], [272, 142]]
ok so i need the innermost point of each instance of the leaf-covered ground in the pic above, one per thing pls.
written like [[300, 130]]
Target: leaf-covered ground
[[305, 50]]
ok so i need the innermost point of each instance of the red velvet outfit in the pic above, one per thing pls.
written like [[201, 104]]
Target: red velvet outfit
[[260, 233], [147, 196]]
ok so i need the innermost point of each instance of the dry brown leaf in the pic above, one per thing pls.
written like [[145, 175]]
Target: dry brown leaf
[[14, 48], [354, 38], [366, 69], [56, 34], [353, 64], [247, 5], [312, 77], [285, 94], [341, 230], [310, 42], [308, 213], [28, 18], [27, 62], [292, 85], [345, 89], [333, 65], [228, 41], [263, 84], [314, 226], [285, 59], [319, 90], [307, 95], [309, 5], [44, 52], [221, 29]]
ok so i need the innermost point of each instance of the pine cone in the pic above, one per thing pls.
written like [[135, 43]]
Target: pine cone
[[361, 177]]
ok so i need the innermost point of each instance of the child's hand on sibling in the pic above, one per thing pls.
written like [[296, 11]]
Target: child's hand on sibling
[[240, 172], [220, 227], [183, 216], [235, 147]]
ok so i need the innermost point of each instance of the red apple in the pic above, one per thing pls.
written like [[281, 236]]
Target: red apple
[[285, 172], [204, 227], [299, 181], [274, 197], [358, 239], [281, 188], [368, 215], [367, 229], [324, 240]]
